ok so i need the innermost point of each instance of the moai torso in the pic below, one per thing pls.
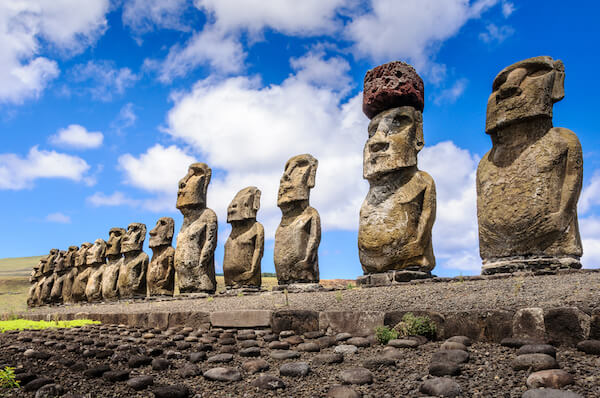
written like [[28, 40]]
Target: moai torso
[[49, 277], [529, 182], [35, 279], [70, 275], [398, 213], [298, 235], [197, 239], [114, 258], [96, 258], [245, 245], [59, 278], [83, 274], [133, 268], [161, 271]]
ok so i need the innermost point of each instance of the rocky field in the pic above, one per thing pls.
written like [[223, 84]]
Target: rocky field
[[113, 361]]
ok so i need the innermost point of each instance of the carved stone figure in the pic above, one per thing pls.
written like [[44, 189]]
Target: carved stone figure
[[398, 213], [48, 280], [114, 258], [83, 274], [132, 272], [161, 271], [245, 245], [96, 260], [528, 184], [59, 277], [35, 279], [299, 233], [197, 239], [70, 275]]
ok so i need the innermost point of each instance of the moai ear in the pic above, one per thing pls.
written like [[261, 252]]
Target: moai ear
[[558, 89], [256, 202], [419, 140], [207, 175], [312, 172]]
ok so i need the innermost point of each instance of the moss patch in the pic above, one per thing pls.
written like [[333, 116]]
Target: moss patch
[[21, 324]]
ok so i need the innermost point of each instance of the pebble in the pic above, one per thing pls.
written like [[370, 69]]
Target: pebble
[[326, 341], [96, 371], [342, 392], [342, 336], [456, 356], [309, 347], [139, 361], [589, 346], [537, 349], [286, 333], [116, 375], [359, 342], [171, 392], [314, 334], [444, 369], [461, 339], [285, 354], [250, 352], [268, 382], [346, 349], [393, 353], [294, 369], [196, 357], [49, 391], [279, 345], [552, 378], [220, 358], [440, 386], [549, 393], [534, 362], [248, 343], [223, 374], [514, 342], [378, 363], [294, 340], [36, 384], [255, 366], [36, 354], [403, 343], [189, 370], [326, 359], [140, 382], [452, 345], [356, 376]]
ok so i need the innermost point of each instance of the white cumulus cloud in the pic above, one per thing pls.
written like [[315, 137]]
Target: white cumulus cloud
[[18, 172], [59, 218], [29, 27], [145, 15], [496, 34], [77, 136], [102, 79], [451, 94]]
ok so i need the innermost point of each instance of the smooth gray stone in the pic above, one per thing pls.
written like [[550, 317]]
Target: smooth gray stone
[[223, 374], [294, 369], [140, 382], [356, 376], [285, 354], [550, 393], [268, 382], [534, 362], [440, 386]]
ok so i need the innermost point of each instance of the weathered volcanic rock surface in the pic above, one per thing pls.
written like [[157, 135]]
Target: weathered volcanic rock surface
[[488, 371]]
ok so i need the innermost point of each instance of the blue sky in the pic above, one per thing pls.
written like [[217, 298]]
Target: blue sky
[[103, 104]]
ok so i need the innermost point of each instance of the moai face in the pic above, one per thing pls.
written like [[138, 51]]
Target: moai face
[[193, 187], [97, 253], [162, 233], [113, 246], [244, 205], [39, 267], [297, 180], [395, 139], [525, 90], [59, 261], [80, 259], [48, 267], [134, 238], [71, 256]]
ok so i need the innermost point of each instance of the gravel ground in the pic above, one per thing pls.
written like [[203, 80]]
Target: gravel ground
[[581, 289], [488, 372]]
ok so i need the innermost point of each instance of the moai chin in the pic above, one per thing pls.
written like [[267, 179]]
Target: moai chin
[[59, 277], [245, 245], [398, 213], [528, 184], [197, 239], [133, 268], [161, 271], [114, 258], [83, 273], [96, 260], [70, 275], [299, 233], [49, 277]]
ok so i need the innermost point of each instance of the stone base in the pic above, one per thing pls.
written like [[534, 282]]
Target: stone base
[[234, 291], [299, 287], [537, 264], [193, 295], [391, 277]]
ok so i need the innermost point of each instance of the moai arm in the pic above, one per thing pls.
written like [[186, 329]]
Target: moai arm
[[427, 213], [210, 243], [259, 246], [314, 238], [573, 177]]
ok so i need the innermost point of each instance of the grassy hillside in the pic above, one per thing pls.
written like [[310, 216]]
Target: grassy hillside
[[19, 266]]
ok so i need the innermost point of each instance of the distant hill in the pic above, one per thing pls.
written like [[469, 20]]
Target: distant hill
[[18, 266]]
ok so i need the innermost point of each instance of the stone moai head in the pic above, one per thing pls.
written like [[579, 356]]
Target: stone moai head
[[70, 256], [162, 233], [48, 267], [59, 261], [244, 205], [97, 253], [525, 90], [80, 259], [134, 238], [113, 246], [193, 187], [297, 180], [39, 267], [393, 100]]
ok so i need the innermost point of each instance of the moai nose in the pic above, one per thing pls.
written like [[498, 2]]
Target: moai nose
[[379, 146], [511, 87]]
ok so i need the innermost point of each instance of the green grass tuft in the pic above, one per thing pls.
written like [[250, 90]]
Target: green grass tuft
[[21, 324]]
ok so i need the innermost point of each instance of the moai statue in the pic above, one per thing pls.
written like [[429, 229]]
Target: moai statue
[[132, 273], [114, 258], [528, 184], [397, 216], [59, 277], [35, 279], [83, 274], [299, 233], [70, 274], [197, 239], [161, 271], [48, 280], [96, 260], [245, 245]]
